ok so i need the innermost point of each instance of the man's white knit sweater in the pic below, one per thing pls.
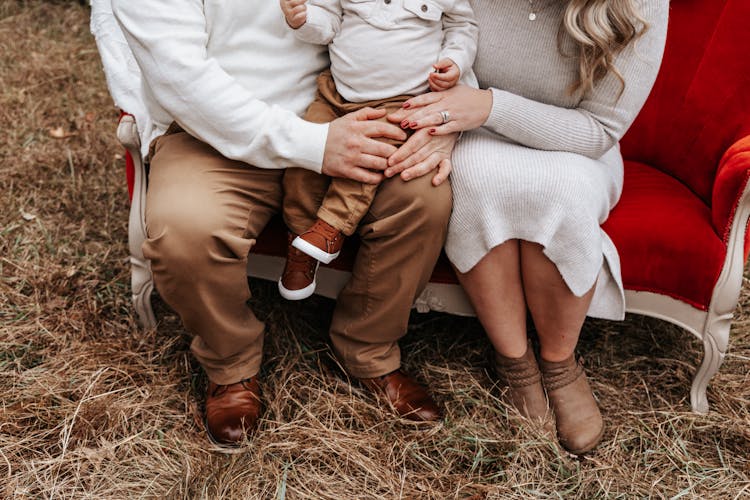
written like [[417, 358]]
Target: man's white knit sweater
[[231, 73]]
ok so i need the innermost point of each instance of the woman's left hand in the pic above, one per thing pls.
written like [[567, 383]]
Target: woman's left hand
[[466, 107], [421, 154]]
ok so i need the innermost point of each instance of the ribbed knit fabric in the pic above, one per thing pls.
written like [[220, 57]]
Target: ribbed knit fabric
[[546, 166]]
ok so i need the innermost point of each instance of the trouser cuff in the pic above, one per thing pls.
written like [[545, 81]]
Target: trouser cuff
[[373, 370], [228, 376]]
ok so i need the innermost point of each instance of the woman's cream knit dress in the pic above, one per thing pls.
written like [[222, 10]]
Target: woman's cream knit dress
[[546, 166]]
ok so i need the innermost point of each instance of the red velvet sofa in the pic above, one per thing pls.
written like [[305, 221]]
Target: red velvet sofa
[[680, 226]]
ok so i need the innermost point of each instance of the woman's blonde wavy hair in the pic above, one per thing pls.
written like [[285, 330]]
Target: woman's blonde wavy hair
[[601, 29]]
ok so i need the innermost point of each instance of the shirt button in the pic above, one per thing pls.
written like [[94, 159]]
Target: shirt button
[[424, 8]]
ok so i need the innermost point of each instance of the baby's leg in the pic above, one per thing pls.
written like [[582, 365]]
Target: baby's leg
[[303, 193], [304, 189], [346, 202]]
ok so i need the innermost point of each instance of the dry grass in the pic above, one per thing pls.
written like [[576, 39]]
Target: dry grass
[[92, 406]]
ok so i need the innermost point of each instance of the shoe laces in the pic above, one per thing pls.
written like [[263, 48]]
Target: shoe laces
[[329, 232], [298, 261], [221, 389]]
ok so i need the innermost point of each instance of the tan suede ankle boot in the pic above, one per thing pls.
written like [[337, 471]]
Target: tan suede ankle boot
[[579, 422], [525, 391]]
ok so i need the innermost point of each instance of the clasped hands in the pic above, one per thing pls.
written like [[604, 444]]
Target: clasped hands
[[353, 150]]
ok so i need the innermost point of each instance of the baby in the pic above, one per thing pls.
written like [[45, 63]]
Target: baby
[[382, 53]]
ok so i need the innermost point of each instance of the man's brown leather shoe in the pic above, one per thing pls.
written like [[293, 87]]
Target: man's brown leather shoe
[[232, 410], [409, 398]]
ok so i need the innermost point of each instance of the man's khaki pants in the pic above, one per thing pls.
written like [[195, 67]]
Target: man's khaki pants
[[203, 213], [342, 203]]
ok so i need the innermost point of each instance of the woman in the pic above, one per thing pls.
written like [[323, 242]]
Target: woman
[[561, 81]]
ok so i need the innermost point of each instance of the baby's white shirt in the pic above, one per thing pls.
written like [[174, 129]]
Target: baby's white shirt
[[385, 48]]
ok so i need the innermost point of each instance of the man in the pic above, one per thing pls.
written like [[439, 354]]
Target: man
[[225, 81]]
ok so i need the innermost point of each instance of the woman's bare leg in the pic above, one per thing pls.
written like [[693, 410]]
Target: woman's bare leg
[[495, 289], [558, 314]]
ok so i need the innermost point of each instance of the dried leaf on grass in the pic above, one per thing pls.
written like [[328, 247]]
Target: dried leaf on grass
[[60, 133]]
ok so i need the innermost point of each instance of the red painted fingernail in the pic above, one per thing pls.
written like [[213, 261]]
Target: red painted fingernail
[[404, 123], [432, 131], [406, 104], [413, 124]]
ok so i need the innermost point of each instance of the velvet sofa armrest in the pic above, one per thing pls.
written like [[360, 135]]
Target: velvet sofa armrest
[[730, 186]]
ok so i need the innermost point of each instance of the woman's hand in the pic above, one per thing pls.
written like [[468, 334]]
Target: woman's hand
[[467, 108], [421, 154]]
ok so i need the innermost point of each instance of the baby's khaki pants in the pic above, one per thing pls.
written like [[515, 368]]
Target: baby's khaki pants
[[342, 203]]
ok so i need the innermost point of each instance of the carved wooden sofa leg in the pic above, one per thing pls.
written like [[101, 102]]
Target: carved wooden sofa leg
[[723, 303], [715, 342], [141, 279], [142, 285]]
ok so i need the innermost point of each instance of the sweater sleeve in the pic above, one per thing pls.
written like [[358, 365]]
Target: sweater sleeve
[[603, 114], [460, 33], [323, 22], [169, 39]]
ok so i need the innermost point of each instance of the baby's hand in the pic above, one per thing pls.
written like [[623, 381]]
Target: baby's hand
[[446, 75], [295, 12]]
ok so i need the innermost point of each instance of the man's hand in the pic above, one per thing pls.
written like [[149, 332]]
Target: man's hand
[[295, 12], [351, 150], [422, 154], [446, 75]]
